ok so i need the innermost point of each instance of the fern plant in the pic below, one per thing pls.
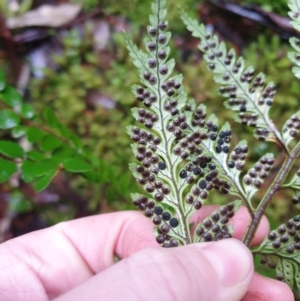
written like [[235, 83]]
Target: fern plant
[[184, 154]]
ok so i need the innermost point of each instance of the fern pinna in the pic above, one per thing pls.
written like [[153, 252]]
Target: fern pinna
[[184, 154]]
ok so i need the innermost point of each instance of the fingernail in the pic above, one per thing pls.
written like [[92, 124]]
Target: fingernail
[[231, 260]]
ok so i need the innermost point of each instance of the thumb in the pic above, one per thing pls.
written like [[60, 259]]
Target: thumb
[[206, 271]]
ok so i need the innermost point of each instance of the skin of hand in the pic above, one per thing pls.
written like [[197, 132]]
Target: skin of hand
[[76, 261]]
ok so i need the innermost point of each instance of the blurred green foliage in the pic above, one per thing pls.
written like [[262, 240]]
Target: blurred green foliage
[[278, 6]]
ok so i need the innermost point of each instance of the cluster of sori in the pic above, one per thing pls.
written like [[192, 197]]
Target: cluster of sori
[[147, 118], [145, 96], [222, 139], [287, 236], [256, 175], [238, 156], [166, 223], [214, 227], [292, 126], [161, 218]]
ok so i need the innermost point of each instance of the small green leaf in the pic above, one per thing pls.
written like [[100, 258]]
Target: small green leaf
[[77, 165], [11, 149], [50, 143], [18, 131], [2, 80], [44, 181], [45, 167], [7, 169], [28, 171], [8, 119], [27, 111], [11, 97], [51, 118], [34, 134], [35, 155]]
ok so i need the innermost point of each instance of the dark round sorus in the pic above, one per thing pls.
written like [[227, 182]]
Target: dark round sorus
[[208, 159], [281, 229], [139, 169], [297, 246], [161, 54], [166, 245], [276, 244], [162, 39], [190, 180], [150, 204], [296, 218], [159, 196], [158, 210], [174, 111], [284, 238], [152, 80], [209, 177], [162, 165], [203, 195], [272, 236], [225, 149], [215, 228], [189, 167], [238, 150], [214, 128], [146, 173], [207, 223], [174, 243], [151, 46], [164, 86], [213, 136], [215, 217], [202, 184], [290, 224], [212, 166], [184, 155], [231, 164], [297, 238], [203, 164], [189, 199], [174, 222], [160, 238], [207, 237], [263, 261], [199, 231], [218, 149], [290, 249], [166, 216], [164, 228], [156, 220], [149, 188], [147, 75], [148, 212], [165, 190], [170, 92], [162, 25], [154, 159], [224, 220], [292, 232], [196, 191], [152, 63], [177, 151], [197, 205], [220, 142], [211, 66], [153, 31], [239, 166], [297, 226], [163, 69], [158, 184], [230, 214], [183, 174], [142, 181]]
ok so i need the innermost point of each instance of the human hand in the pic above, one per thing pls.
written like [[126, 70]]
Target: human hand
[[75, 261]]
